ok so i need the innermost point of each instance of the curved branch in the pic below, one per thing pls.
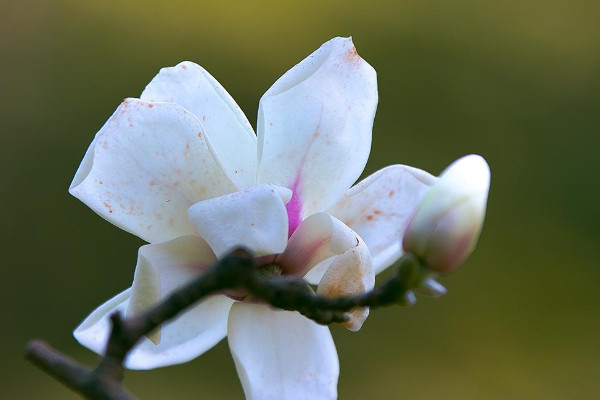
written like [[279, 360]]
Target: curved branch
[[237, 270]]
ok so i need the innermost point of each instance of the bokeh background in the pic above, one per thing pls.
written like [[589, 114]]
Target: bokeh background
[[517, 81]]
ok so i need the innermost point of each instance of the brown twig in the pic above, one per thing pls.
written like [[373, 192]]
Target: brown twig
[[237, 270], [92, 384]]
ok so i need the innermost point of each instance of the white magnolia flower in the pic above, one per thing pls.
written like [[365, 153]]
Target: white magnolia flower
[[182, 169], [445, 227]]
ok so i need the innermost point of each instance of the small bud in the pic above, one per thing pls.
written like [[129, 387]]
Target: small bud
[[431, 287], [444, 228], [409, 299]]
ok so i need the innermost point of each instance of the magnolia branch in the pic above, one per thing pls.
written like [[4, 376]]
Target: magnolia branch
[[237, 270]]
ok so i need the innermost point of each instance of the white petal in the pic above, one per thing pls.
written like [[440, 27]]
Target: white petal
[[186, 338], [162, 268], [145, 167], [379, 208], [314, 127], [255, 218], [318, 237], [203, 326], [226, 126], [281, 355], [177, 261], [350, 274], [182, 339], [94, 330], [145, 292], [315, 275]]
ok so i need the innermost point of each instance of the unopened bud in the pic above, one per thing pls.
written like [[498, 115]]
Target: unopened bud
[[432, 288], [409, 299], [444, 228]]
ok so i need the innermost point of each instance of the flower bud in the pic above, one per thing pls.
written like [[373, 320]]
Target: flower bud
[[444, 229], [432, 288]]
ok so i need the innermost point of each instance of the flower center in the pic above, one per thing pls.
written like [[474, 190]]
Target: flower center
[[270, 270]]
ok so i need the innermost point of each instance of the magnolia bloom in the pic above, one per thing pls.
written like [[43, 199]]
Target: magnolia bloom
[[182, 169], [445, 227]]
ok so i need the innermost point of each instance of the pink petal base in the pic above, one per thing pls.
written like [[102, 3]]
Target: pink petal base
[[294, 208]]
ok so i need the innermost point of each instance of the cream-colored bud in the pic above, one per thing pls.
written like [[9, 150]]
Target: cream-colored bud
[[445, 227]]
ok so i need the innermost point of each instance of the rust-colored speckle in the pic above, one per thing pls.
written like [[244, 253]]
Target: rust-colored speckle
[[203, 118], [100, 183], [105, 145], [376, 212], [149, 227], [175, 184], [352, 56], [150, 105], [183, 66], [125, 106], [108, 207], [200, 135], [152, 183], [369, 217], [187, 149], [391, 194], [171, 220], [345, 284]]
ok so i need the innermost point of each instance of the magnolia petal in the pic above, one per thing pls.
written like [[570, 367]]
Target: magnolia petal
[[145, 292], [379, 209], [315, 275], [145, 167], [314, 127], [226, 126], [166, 267], [94, 330], [350, 274], [203, 326], [255, 218], [281, 355], [162, 268], [318, 237]]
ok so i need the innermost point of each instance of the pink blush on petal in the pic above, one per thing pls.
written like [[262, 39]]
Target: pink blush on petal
[[294, 209]]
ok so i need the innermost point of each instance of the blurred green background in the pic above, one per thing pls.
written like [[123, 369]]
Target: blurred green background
[[515, 81]]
